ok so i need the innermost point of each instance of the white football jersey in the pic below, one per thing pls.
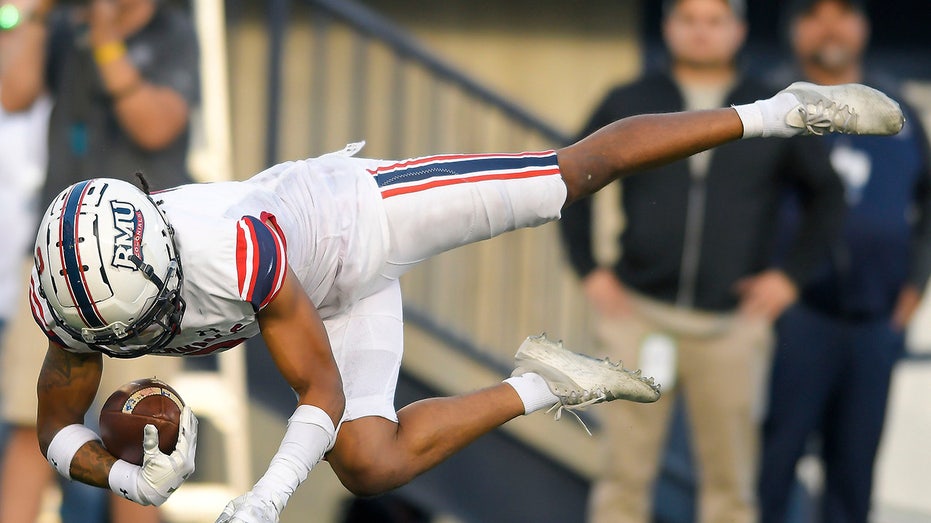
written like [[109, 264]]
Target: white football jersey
[[323, 217]]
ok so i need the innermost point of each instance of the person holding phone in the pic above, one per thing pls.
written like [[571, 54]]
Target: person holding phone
[[123, 75]]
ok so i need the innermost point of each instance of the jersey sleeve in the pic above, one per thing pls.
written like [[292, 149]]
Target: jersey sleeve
[[45, 321], [261, 259]]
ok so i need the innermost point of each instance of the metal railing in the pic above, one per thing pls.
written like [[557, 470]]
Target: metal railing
[[371, 30], [367, 79]]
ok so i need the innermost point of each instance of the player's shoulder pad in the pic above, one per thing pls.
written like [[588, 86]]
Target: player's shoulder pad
[[261, 259]]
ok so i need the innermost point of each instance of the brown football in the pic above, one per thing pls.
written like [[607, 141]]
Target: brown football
[[128, 410]]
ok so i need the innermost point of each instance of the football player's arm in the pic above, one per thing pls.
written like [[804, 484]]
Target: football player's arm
[[67, 385], [66, 388], [298, 343]]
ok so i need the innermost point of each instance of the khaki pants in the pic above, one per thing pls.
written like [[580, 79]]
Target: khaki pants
[[722, 364]]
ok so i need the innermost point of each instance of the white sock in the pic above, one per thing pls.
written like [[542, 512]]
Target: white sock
[[766, 118], [533, 391]]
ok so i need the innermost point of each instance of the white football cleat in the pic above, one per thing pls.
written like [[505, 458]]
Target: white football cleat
[[847, 109], [579, 380]]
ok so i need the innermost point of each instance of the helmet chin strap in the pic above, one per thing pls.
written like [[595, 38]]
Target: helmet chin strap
[[147, 270]]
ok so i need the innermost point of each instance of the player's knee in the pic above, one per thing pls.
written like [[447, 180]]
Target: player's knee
[[370, 477], [363, 488]]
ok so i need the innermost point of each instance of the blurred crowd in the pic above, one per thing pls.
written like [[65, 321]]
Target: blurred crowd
[[766, 284]]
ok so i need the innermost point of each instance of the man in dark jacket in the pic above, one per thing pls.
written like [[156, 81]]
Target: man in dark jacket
[[692, 298], [840, 343]]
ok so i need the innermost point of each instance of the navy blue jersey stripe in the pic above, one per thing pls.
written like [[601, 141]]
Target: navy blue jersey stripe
[[266, 270], [70, 255], [468, 165]]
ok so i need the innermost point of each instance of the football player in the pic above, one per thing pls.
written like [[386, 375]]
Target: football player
[[308, 254]]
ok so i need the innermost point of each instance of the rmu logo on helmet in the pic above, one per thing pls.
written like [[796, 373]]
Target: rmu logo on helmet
[[129, 224], [109, 269]]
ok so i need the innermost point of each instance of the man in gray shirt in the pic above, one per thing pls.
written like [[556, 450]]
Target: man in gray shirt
[[124, 77]]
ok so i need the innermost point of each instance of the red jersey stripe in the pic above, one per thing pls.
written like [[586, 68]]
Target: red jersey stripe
[[388, 193], [454, 157]]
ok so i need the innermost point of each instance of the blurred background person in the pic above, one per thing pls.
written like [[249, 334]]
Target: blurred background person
[[22, 170], [124, 76], [23, 138], [23, 157], [691, 299], [837, 347]]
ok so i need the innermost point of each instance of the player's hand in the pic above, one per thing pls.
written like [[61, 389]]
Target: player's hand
[[766, 295], [162, 473], [606, 293], [249, 508]]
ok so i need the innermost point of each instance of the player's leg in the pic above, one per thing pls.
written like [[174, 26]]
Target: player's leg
[[641, 142], [378, 449], [438, 203], [373, 454]]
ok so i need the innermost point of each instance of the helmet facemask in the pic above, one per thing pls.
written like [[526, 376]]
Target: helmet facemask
[[153, 330]]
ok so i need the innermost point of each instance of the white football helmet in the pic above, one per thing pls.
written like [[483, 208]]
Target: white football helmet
[[109, 268]]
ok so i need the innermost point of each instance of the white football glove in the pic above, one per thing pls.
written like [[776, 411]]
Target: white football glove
[[249, 508], [160, 473]]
